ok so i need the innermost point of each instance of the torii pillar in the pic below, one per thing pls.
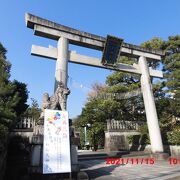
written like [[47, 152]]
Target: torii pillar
[[61, 76], [150, 108], [61, 72]]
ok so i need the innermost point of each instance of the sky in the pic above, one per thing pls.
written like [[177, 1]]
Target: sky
[[136, 21]]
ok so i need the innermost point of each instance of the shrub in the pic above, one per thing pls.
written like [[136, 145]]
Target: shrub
[[174, 136]]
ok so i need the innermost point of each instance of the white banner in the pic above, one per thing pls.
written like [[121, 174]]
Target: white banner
[[56, 148]]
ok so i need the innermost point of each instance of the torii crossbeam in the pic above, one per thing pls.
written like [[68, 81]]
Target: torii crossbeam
[[66, 35]]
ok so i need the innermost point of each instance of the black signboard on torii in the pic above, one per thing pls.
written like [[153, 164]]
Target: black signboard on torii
[[112, 50]]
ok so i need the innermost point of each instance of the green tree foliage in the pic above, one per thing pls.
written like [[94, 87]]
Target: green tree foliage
[[105, 102], [156, 44], [172, 72], [125, 84], [94, 113], [33, 111], [171, 116], [20, 89], [13, 95], [5, 88]]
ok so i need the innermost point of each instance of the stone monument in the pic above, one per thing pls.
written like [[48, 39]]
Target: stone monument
[[117, 133]]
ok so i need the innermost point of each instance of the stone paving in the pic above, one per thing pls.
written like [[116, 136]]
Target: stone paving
[[98, 169]]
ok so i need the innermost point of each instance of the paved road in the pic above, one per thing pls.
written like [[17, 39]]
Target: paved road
[[98, 169]]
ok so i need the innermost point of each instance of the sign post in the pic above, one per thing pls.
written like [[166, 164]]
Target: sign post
[[56, 150]]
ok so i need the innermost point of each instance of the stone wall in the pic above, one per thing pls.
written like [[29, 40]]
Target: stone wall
[[26, 134], [117, 141], [116, 136], [174, 151], [118, 125]]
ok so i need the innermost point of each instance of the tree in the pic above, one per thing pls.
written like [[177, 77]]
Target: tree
[[94, 114], [20, 89], [127, 88], [13, 95], [171, 116], [33, 111], [172, 72]]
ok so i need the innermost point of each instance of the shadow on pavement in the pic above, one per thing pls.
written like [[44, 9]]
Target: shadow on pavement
[[99, 172]]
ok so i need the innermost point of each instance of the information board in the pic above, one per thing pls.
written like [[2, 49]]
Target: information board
[[56, 148]]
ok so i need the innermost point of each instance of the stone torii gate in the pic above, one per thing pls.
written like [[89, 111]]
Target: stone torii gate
[[112, 48]]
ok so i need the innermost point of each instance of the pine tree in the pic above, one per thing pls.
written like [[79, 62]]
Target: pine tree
[[13, 95], [171, 115]]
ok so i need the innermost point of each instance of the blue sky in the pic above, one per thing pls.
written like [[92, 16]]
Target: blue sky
[[135, 21]]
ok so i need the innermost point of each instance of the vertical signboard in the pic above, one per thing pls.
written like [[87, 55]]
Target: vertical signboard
[[56, 148]]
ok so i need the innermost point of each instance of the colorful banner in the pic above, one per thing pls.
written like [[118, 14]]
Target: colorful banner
[[56, 148]]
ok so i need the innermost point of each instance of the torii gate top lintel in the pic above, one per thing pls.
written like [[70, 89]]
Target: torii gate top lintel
[[52, 30]]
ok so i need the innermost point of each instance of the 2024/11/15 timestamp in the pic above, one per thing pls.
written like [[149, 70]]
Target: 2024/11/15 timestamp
[[136, 161]]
